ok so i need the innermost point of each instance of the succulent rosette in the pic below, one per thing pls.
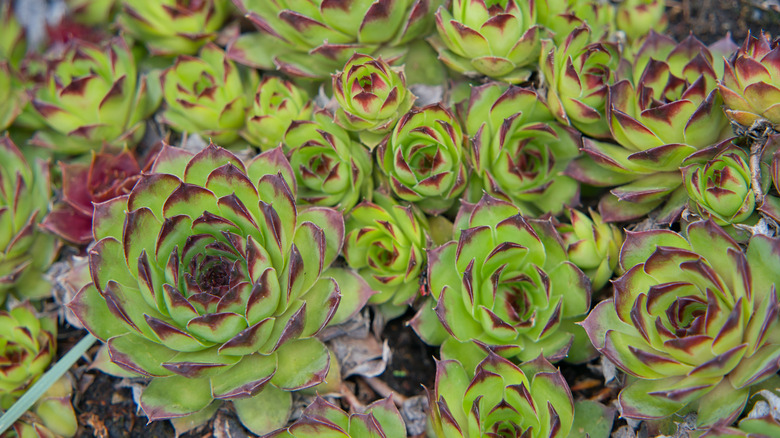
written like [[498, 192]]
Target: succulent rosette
[[500, 399], [277, 104], [93, 96], [313, 38], [372, 96], [694, 319], [331, 169], [751, 82], [494, 38], [207, 279], [578, 76], [592, 244], [28, 346], [667, 109], [13, 98], [638, 18], [386, 244], [506, 281], [561, 17], [207, 95], [25, 251], [380, 419], [424, 158], [52, 416], [173, 27], [106, 176], [13, 43], [719, 184], [519, 151]]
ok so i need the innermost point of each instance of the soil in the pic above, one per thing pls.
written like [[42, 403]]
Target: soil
[[106, 409]]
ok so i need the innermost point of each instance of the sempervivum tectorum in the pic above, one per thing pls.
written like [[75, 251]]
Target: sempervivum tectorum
[[25, 251], [106, 176], [638, 18], [506, 281], [578, 76], [518, 150], [332, 169], [173, 27], [500, 399], [719, 183], [321, 419], [208, 279], [313, 38], [497, 39], [694, 319], [751, 82], [372, 96], [386, 243], [424, 158], [665, 108], [94, 96], [207, 95], [277, 103], [28, 344]]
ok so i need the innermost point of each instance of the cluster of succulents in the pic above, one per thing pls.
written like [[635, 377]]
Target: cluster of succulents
[[527, 185]]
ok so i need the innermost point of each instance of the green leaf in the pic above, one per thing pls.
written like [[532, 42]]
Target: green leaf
[[175, 396], [592, 419], [301, 364], [266, 411], [32, 395]]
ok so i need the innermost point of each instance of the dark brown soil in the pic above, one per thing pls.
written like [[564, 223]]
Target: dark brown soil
[[711, 20]]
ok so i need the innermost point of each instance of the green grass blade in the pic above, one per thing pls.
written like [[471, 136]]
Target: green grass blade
[[41, 386]]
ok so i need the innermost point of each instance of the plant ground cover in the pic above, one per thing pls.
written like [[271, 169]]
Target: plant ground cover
[[379, 348]]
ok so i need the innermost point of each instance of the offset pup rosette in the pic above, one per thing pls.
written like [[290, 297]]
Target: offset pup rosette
[[424, 158], [506, 281], [638, 18], [208, 280], [518, 151], [372, 96], [694, 320], [207, 95], [28, 344], [578, 76], [331, 169], [277, 104], [26, 252], [173, 27], [500, 399], [386, 243], [310, 39], [751, 82], [719, 184], [93, 96], [561, 17], [499, 40], [592, 244], [106, 176]]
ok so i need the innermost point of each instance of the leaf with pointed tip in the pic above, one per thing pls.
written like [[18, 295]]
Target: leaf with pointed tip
[[355, 292], [90, 308], [331, 222], [245, 379], [108, 218], [266, 411], [175, 396], [139, 355], [302, 363]]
